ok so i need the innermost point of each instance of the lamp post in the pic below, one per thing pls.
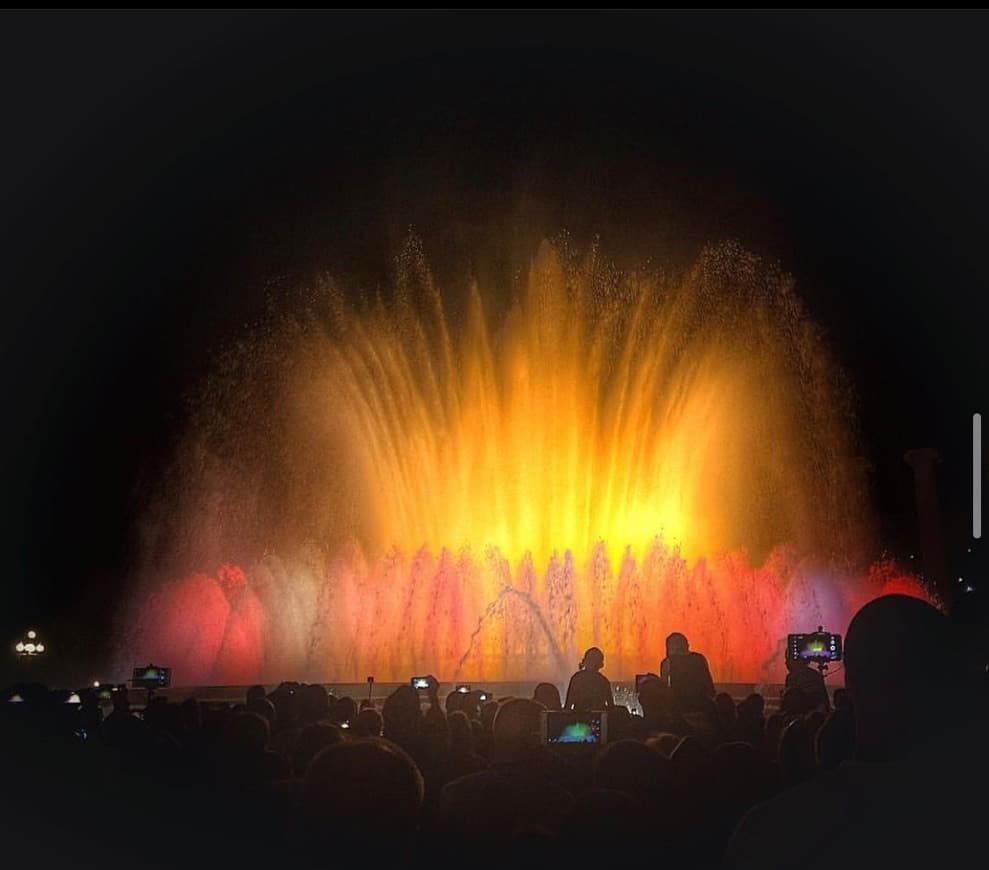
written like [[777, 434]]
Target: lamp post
[[30, 647]]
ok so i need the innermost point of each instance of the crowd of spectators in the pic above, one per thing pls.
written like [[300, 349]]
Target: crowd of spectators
[[879, 773]]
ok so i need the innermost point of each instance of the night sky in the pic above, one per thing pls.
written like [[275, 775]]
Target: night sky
[[163, 173]]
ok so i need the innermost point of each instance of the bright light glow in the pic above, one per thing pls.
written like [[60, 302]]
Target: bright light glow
[[20, 646], [29, 647], [583, 457], [32, 634], [40, 648], [73, 699], [96, 684]]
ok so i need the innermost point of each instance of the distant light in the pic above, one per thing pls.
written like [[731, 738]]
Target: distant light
[[73, 699], [40, 648], [911, 555], [970, 589], [32, 634], [960, 580], [29, 647], [20, 646], [96, 684], [16, 699]]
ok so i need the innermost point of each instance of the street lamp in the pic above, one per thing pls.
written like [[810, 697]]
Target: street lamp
[[30, 646]]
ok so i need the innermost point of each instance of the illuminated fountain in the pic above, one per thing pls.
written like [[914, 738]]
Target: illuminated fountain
[[482, 489]]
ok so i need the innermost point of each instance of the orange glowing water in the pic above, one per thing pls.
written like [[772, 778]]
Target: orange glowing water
[[482, 490]]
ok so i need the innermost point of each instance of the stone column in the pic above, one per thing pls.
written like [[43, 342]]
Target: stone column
[[924, 461]]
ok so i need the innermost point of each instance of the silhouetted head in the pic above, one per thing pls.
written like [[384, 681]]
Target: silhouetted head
[[364, 792], [313, 739], [343, 710], [676, 644], [454, 701], [516, 726], [548, 695], [752, 705], [246, 734], [593, 660], [368, 723], [400, 713], [286, 703], [489, 709], [726, 707], [900, 649], [655, 699], [263, 707], [314, 703], [629, 766], [255, 692], [739, 776]]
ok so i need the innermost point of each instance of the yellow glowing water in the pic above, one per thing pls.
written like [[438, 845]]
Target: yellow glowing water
[[597, 407], [482, 484]]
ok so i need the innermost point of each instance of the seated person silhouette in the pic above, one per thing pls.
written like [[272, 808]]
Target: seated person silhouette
[[688, 676], [589, 689]]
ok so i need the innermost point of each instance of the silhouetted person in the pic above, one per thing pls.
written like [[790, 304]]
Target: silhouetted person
[[454, 702], [631, 767], [794, 703], [804, 676], [750, 724], [368, 724], [589, 689], [904, 800], [687, 674], [313, 739], [835, 740], [364, 794], [727, 714], [599, 819], [461, 759], [343, 710], [263, 707], [247, 759], [548, 695], [403, 720], [796, 753], [493, 804], [655, 699], [314, 703]]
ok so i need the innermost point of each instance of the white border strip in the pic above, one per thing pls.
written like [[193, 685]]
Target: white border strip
[[977, 476]]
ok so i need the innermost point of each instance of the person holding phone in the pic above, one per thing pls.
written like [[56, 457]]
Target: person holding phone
[[800, 675], [589, 689]]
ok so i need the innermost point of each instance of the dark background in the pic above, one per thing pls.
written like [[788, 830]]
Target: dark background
[[163, 172]]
